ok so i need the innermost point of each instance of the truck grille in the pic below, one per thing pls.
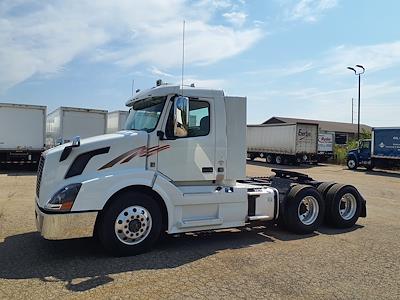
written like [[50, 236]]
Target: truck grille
[[39, 174]]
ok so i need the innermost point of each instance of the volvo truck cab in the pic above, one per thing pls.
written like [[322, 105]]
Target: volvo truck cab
[[178, 167]]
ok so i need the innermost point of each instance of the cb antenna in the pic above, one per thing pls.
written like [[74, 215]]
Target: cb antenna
[[183, 52]]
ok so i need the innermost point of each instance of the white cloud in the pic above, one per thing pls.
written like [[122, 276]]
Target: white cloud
[[283, 71], [374, 57], [236, 18], [41, 37], [310, 10]]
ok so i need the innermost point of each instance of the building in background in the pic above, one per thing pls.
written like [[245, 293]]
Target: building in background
[[343, 132]]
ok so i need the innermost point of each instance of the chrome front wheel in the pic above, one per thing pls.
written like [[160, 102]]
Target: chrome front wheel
[[133, 225]]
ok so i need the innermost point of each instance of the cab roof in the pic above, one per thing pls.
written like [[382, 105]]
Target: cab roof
[[164, 90]]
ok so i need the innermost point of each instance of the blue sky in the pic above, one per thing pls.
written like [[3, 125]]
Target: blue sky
[[289, 57]]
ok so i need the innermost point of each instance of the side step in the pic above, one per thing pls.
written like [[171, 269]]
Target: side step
[[260, 218], [198, 223]]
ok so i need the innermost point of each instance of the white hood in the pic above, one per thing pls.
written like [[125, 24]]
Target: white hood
[[107, 154]]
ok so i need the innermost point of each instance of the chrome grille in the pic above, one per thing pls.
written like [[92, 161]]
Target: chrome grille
[[39, 174]]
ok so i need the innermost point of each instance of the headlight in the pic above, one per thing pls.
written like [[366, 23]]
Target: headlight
[[64, 198]]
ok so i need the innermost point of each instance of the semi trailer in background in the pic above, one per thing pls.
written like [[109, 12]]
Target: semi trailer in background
[[325, 146], [382, 150], [67, 122], [283, 143], [116, 120], [22, 133]]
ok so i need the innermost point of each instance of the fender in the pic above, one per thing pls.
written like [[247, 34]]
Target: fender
[[95, 192], [168, 193]]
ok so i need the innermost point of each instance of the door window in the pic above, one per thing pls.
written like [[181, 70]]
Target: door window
[[199, 120]]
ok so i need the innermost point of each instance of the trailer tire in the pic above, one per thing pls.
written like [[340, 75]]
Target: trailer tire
[[251, 156], [269, 159], [278, 160], [304, 209], [131, 224], [343, 204]]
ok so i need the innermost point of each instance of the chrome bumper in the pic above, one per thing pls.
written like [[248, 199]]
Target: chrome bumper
[[65, 226]]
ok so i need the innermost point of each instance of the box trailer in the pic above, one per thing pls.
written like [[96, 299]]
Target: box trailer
[[116, 120], [325, 146], [382, 150], [283, 143], [22, 133], [67, 122]]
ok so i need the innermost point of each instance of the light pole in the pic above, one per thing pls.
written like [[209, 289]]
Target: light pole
[[359, 93]]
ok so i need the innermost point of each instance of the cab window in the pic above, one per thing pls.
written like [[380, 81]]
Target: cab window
[[199, 120]]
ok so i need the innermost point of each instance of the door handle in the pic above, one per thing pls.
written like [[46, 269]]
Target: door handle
[[207, 170]]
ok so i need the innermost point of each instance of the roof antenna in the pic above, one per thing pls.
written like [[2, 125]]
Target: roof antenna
[[183, 52], [133, 84]]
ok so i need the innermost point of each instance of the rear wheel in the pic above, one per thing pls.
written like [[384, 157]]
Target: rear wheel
[[370, 167], [130, 225], [324, 187], [269, 158], [278, 159], [343, 205], [304, 209]]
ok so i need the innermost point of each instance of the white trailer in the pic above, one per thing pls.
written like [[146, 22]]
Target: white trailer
[[65, 123], [116, 120], [178, 167], [325, 146], [22, 133], [283, 143]]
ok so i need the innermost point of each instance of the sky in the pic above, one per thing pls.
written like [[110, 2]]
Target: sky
[[288, 57]]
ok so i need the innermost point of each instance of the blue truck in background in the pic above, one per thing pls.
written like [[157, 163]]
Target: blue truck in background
[[382, 150]]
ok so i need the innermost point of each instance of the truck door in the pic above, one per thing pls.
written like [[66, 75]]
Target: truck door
[[190, 158], [365, 151]]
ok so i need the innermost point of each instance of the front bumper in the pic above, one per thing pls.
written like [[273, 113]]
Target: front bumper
[[65, 225]]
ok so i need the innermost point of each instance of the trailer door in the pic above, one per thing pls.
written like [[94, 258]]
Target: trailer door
[[307, 138]]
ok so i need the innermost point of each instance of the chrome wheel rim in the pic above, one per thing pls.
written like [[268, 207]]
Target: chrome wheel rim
[[133, 225], [269, 158], [278, 160], [347, 206], [308, 210], [351, 163]]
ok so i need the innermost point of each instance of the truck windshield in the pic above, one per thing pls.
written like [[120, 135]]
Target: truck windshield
[[145, 114]]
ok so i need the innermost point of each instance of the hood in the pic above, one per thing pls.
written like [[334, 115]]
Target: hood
[[352, 151], [95, 157]]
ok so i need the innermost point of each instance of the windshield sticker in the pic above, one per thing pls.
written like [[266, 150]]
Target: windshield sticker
[[137, 152]]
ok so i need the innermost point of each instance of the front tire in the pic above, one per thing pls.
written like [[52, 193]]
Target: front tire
[[131, 224], [269, 158], [304, 209], [343, 206], [352, 164]]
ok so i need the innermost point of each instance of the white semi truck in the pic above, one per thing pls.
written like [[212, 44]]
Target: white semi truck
[[178, 167], [66, 122], [283, 143], [22, 133]]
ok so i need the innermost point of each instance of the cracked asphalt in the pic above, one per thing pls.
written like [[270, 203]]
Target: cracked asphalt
[[252, 262]]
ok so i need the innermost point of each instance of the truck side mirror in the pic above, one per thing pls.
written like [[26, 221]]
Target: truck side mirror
[[181, 116]]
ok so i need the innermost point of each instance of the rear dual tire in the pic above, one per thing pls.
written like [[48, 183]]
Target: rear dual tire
[[343, 206], [304, 209]]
